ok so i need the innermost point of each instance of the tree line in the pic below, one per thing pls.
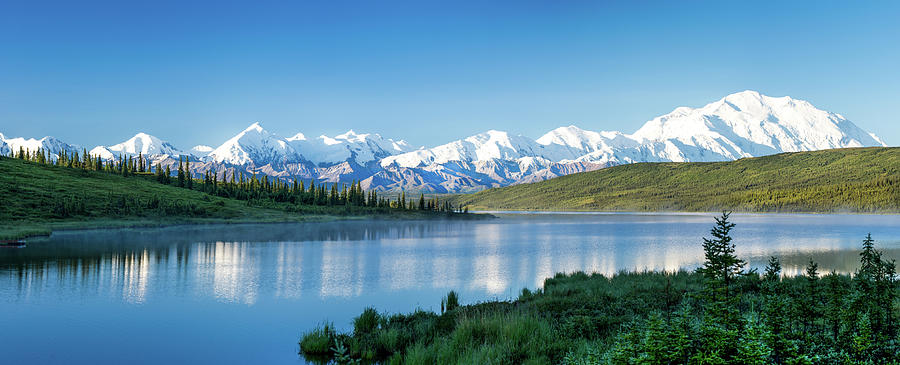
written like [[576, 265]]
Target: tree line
[[248, 187], [744, 317]]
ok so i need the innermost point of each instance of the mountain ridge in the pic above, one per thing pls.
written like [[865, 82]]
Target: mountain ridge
[[739, 125]]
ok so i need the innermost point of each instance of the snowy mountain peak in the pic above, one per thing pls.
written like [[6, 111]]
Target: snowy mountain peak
[[353, 137], [297, 137], [328, 140], [741, 124], [48, 144], [255, 146], [349, 135], [748, 124], [574, 136], [201, 150], [141, 144], [255, 127]]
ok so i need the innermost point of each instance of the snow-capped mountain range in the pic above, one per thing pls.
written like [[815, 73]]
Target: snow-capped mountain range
[[744, 124]]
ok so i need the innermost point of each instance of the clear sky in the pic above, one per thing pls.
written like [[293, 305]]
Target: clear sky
[[428, 71]]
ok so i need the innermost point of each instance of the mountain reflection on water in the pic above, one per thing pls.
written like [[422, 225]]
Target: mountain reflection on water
[[244, 293], [344, 259]]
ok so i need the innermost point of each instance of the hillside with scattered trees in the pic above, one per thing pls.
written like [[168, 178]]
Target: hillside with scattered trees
[[41, 194], [839, 180]]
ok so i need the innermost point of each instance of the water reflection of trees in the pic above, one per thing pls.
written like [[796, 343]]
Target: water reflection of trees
[[199, 257], [239, 263]]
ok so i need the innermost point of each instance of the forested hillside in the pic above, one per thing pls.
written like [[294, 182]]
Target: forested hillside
[[40, 195], [839, 180]]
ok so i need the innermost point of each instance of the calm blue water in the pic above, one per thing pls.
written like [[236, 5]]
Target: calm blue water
[[245, 293]]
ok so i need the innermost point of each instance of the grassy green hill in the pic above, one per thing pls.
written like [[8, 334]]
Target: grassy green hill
[[37, 199], [842, 180]]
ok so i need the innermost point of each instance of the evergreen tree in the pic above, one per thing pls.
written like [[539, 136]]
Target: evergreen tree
[[810, 302], [180, 181], [720, 270], [835, 293], [188, 175]]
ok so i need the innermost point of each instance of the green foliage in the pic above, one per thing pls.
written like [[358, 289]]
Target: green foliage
[[840, 180], [753, 348], [319, 341], [367, 322], [39, 197], [450, 302], [657, 318], [720, 270]]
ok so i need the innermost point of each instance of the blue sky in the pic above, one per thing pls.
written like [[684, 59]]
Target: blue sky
[[427, 71]]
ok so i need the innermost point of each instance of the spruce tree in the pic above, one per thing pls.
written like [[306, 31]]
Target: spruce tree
[[720, 270], [180, 182], [188, 176], [835, 292], [810, 303]]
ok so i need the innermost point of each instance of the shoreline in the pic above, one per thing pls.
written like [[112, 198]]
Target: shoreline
[[46, 229], [681, 212]]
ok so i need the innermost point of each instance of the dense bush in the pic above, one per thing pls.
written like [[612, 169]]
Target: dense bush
[[319, 341]]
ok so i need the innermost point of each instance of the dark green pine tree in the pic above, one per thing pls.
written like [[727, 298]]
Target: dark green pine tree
[[875, 291], [180, 181], [421, 201], [720, 270], [810, 303], [187, 173], [835, 292], [333, 198]]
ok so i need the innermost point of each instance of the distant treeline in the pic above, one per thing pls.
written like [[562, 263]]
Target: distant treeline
[[253, 189]]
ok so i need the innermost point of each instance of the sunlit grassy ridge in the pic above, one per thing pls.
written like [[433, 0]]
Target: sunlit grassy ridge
[[844, 180], [37, 198]]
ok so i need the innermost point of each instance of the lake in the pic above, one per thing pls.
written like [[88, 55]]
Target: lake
[[245, 293]]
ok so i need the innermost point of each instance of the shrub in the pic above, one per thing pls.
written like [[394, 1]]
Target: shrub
[[367, 322], [450, 302], [319, 341]]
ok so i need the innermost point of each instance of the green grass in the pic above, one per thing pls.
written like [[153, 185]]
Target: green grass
[[36, 199], [318, 341], [581, 318], [841, 180], [540, 327]]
